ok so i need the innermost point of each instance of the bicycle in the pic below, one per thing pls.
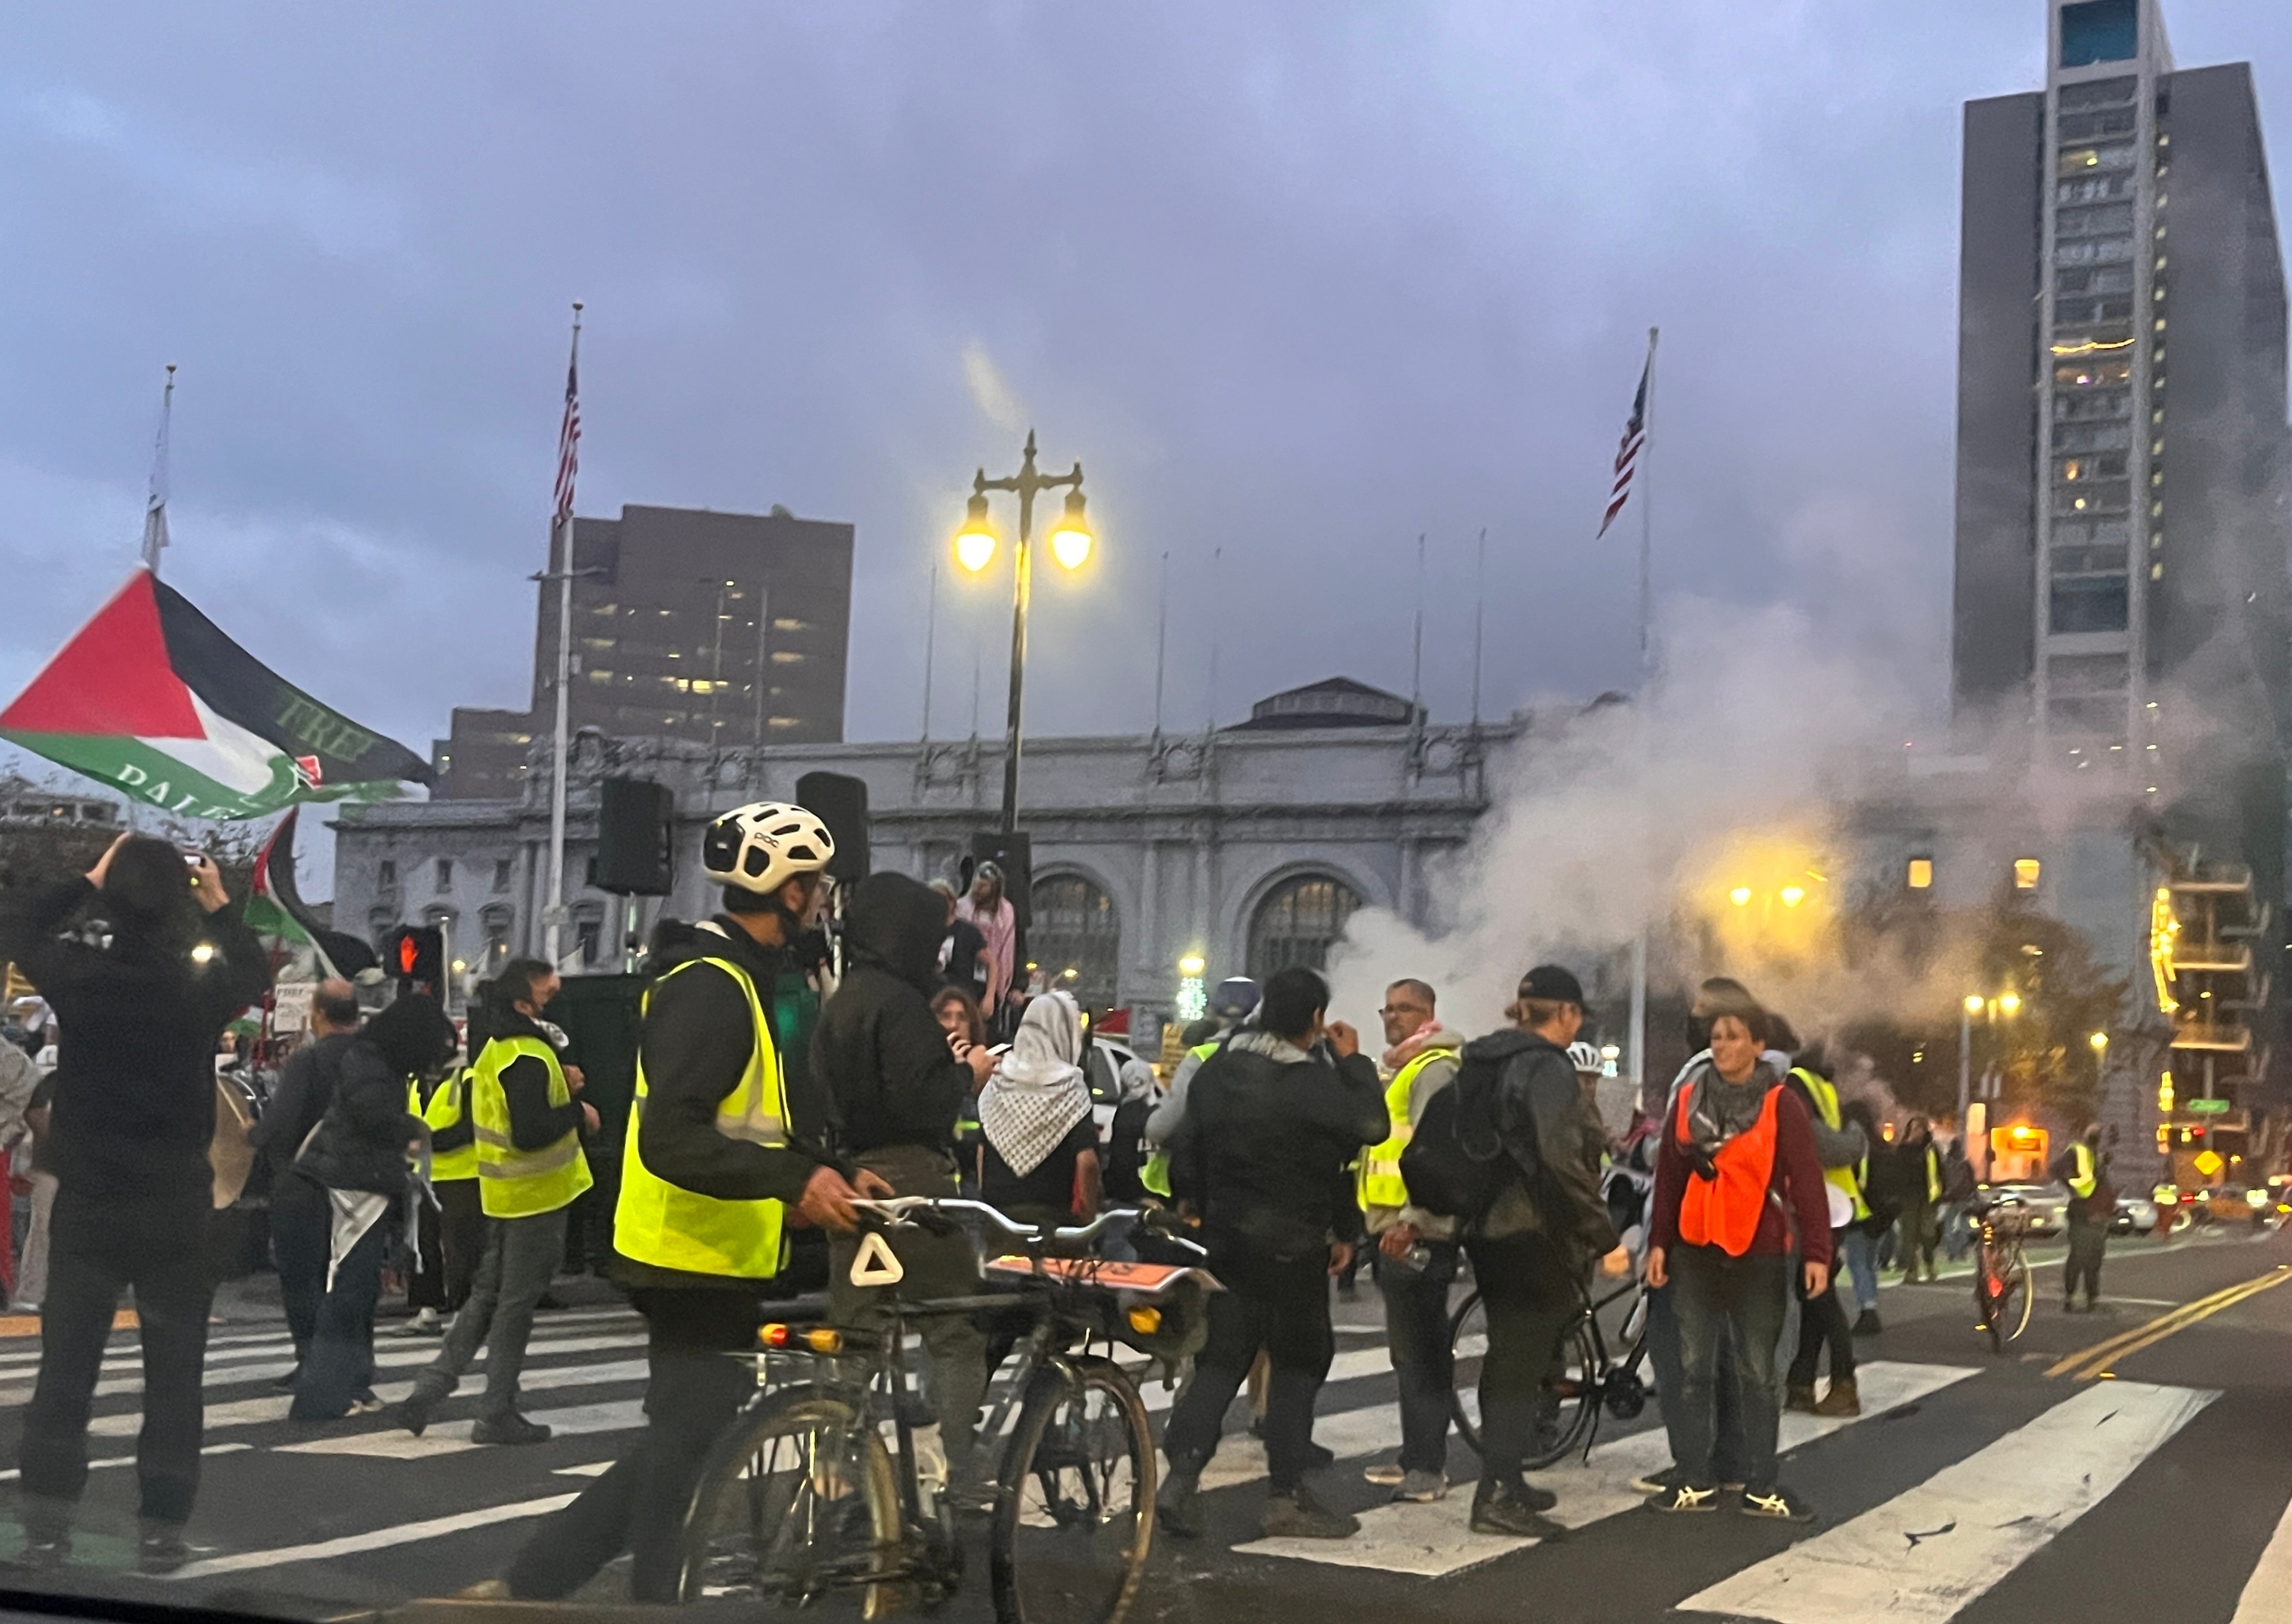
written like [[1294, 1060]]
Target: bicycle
[[1589, 1378], [805, 1499], [2002, 1297]]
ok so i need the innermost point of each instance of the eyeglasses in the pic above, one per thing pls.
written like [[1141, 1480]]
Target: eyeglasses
[[1404, 1009]]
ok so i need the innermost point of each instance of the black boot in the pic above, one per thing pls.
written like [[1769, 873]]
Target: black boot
[[1178, 1508], [1506, 1508]]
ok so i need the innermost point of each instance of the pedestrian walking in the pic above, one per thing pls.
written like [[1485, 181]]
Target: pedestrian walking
[[1533, 1246], [718, 1151], [893, 1084], [299, 1217], [1960, 1188], [139, 1020], [1839, 1146], [450, 1235], [1918, 1161], [1736, 1176], [529, 1124], [2083, 1171], [1276, 1117], [1860, 1262], [357, 1158], [1415, 1260]]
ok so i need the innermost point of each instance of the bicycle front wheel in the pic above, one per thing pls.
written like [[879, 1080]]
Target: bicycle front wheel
[[795, 1505], [1468, 1339], [1570, 1398], [2015, 1298], [1075, 1512]]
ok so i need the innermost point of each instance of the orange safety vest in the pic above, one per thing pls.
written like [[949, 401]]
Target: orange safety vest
[[1725, 1211]]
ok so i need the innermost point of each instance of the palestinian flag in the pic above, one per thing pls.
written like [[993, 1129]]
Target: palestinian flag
[[151, 699], [275, 911]]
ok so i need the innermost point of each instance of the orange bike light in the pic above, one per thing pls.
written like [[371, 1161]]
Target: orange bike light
[[824, 1341], [773, 1336], [1145, 1318]]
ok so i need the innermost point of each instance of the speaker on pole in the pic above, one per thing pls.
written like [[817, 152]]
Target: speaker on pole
[[841, 802], [634, 835], [1014, 853]]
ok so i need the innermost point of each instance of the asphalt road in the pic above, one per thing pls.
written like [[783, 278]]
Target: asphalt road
[[2136, 1463]]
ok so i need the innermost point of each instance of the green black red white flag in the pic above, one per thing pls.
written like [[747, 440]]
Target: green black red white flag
[[150, 697]]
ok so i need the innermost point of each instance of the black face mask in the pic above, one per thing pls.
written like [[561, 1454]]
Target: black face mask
[[1699, 1033]]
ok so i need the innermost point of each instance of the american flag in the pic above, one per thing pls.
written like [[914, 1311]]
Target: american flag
[[568, 436], [1628, 454]]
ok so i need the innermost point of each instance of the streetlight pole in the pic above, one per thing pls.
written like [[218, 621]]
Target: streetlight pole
[[1026, 485]]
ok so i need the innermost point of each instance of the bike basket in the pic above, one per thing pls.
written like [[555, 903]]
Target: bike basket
[[2010, 1220]]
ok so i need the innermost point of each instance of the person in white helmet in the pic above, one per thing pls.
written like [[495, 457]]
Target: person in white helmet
[[719, 1160]]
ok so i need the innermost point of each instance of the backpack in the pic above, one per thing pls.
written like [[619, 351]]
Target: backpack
[[1455, 1163]]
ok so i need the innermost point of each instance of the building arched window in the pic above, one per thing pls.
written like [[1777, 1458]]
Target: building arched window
[[1076, 937], [495, 921], [1298, 921]]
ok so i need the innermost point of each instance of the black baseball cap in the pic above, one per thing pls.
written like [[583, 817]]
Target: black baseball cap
[[1553, 984]]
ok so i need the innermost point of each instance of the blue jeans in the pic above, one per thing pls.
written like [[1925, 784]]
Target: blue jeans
[[1662, 1335], [1417, 1330], [1734, 1303], [1862, 1267], [340, 1365]]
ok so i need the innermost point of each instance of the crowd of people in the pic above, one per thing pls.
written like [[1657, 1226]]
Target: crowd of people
[[1757, 1204]]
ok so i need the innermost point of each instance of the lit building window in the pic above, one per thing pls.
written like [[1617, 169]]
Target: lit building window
[[1921, 875], [2025, 874]]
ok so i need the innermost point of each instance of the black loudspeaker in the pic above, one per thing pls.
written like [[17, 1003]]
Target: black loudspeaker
[[1015, 854], [841, 802], [634, 837]]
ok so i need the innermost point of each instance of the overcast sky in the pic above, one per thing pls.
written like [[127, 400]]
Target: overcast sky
[[1298, 282]]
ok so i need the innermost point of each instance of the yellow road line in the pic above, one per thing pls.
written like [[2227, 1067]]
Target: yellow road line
[[2088, 1362]]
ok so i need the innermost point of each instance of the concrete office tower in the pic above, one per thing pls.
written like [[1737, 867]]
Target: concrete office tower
[[2121, 593], [729, 630]]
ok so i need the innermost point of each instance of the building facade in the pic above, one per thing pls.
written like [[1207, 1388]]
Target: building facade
[[724, 630]]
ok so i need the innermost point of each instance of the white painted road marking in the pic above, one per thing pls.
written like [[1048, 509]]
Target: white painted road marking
[[352, 1545], [2267, 1597], [1924, 1555]]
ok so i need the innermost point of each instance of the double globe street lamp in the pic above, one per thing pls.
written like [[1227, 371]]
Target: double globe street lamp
[[975, 545]]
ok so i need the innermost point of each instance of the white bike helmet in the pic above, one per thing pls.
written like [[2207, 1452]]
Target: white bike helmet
[[1586, 1059], [763, 846]]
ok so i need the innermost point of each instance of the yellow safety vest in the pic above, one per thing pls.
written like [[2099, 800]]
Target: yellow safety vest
[[443, 1111], [514, 1184], [1933, 1172], [2084, 1174], [671, 1227], [1826, 1104], [1381, 1183], [1156, 1174]]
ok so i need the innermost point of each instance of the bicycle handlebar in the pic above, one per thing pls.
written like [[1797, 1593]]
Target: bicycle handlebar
[[894, 1212]]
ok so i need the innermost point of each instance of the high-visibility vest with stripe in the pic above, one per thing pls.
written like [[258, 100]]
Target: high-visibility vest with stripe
[[2084, 1172], [514, 1184], [1725, 1211], [1933, 1159], [1155, 1175], [1381, 1183], [671, 1227], [1825, 1093], [444, 1110]]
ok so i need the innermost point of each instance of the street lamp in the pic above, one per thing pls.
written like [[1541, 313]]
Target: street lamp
[[2008, 1004], [974, 550]]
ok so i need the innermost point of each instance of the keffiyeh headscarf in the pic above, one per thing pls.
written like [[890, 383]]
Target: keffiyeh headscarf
[[1036, 1094]]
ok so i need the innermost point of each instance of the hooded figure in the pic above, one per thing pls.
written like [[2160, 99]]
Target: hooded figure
[[1037, 1094]]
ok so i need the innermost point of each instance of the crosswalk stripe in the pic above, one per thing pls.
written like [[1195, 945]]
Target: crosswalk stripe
[[453, 1437], [261, 1411], [1969, 1524], [13, 1473], [1434, 1540], [352, 1545], [2267, 1597]]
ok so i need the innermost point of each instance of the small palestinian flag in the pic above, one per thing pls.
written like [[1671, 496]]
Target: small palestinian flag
[[151, 699], [275, 911]]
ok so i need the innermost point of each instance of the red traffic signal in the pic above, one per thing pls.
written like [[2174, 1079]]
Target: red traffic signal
[[416, 955]]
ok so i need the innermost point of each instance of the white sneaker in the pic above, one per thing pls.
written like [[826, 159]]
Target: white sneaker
[[424, 1323], [1387, 1476]]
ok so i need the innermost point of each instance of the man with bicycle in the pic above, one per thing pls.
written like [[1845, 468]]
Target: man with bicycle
[[713, 1161]]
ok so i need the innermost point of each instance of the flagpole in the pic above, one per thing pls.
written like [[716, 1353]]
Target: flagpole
[[553, 919], [1637, 1035], [155, 503]]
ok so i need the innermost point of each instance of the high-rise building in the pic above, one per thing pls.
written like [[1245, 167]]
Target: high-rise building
[[2122, 601], [729, 630]]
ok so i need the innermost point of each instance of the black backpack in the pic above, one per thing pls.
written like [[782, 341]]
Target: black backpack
[[1455, 1163]]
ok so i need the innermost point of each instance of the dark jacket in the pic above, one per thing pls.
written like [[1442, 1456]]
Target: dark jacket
[[880, 1056], [1262, 1151], [306, 1087], [1550, 1128], [137, 1025], [362, 1140], [698, 1039]]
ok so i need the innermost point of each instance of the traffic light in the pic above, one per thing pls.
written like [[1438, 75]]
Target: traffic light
[[416, 957]]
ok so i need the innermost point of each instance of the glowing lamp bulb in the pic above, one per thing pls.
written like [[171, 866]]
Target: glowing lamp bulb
[[2010, 1002], [1193, 964], [1071, 541], [974, 544], [1792, 895], [1740, 896], [1974, 1002]]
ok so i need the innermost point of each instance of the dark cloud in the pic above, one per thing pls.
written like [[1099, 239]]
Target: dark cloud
[[1295, 281]]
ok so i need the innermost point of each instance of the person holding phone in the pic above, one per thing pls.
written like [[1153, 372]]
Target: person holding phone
[[132, 1115]]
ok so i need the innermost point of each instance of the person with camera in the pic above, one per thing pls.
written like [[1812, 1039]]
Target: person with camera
[[139, 1017]]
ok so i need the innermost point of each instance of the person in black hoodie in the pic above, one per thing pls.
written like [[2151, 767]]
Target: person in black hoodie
[[299, 1220], [699, 1231], [134, 1113], [357, 1159], [1271, 1121], [894, 1081]]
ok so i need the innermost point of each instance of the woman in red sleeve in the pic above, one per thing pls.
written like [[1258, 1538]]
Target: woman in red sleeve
[[1737, 1191]]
